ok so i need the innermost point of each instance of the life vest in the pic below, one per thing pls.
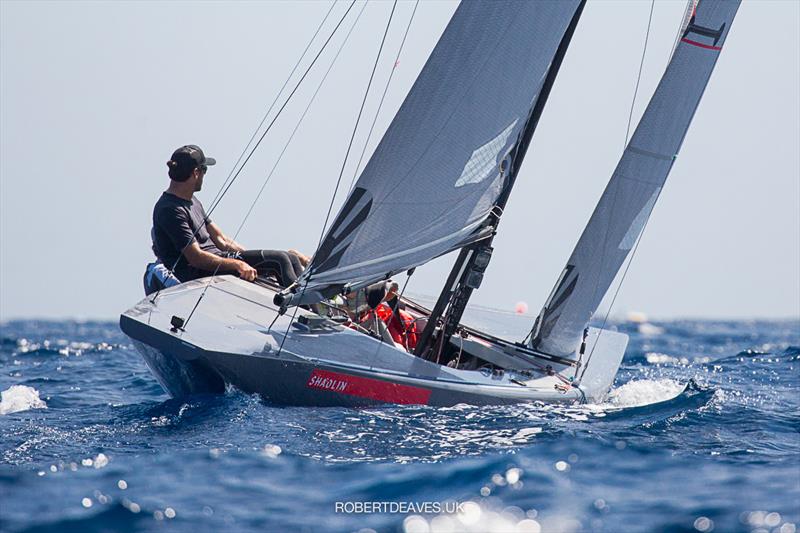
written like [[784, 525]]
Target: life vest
[[403, 329]]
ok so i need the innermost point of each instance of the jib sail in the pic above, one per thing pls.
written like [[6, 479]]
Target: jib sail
[[634, 187]]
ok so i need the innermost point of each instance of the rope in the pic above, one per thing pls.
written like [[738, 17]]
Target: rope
[[300, 121], [344, 163], [280, 156], [214, 202], [355, 128], [639, 239], [383, 96], [396, 312], [460, 351], [687, 15], [639, 77], [285, 146], [285, 103], [395, 315]]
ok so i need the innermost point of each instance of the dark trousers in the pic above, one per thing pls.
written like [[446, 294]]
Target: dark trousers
[[284, 266]]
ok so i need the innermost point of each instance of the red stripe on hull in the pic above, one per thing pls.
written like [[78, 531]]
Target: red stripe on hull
[[701, 45], [374, 389]]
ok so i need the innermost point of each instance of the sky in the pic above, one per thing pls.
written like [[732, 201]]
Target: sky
[[95, 96]]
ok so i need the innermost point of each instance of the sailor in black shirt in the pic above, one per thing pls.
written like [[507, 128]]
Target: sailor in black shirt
[[189, 244]]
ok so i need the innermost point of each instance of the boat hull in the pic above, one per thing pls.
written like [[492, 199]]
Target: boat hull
[[289, 366]]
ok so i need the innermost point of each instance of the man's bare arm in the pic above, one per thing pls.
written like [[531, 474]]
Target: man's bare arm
[[207, 261], [223, 242]]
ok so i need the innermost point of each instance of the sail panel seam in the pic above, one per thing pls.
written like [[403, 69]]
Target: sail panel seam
[[654, 155]]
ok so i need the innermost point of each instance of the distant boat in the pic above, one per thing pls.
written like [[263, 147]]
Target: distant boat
[[438, 182]]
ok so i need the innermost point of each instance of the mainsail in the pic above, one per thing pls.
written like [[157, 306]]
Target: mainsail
[[634, 187], [439, 169]]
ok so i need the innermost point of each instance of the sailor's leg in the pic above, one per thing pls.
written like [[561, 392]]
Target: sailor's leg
[[297, 265], [271, 262], [303, 258]]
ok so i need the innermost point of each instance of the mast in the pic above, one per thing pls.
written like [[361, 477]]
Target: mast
[[467, 272]]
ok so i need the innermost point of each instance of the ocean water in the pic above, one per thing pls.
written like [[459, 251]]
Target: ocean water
[[701, 433]]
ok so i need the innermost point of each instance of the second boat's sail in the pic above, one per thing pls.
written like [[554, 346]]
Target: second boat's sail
[[438, 170], [636, 183]]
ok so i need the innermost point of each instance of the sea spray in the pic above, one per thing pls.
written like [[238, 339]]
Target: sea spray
[[644, 392], [20, 398]]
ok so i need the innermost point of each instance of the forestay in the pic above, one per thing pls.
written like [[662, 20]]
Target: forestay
[[436, 174], [634, 187]]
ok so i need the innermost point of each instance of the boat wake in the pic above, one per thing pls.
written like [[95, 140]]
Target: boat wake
[[643, 392]]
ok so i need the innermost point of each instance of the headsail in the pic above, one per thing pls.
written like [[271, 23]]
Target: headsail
[[634, 187], [436, 174]]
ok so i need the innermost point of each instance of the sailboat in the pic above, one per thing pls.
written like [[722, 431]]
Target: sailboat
[[443, 172]]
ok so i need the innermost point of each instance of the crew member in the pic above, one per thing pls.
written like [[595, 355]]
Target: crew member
[[189, 245]]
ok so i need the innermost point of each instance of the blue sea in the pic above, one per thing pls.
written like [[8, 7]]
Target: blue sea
[[701, 433]]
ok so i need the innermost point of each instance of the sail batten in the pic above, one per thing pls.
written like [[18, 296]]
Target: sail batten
[[631, 194], [436, 175]]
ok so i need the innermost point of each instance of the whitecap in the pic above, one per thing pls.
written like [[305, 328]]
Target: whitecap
[[650, 330], [20, 398], [644, 392]]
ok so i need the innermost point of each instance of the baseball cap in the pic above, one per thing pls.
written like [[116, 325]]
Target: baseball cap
[[190, 157]]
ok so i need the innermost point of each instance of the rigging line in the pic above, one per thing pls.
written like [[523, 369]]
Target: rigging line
[[355, 128], [399, 299], [272, 105], [627, 132], [383, 96], [636, 246], [341, 171], [394, 316], [446, 121], [690, 7], [619, 286], [280, 156], [300, 121], [639, 77], [224, 189], [283, 106]]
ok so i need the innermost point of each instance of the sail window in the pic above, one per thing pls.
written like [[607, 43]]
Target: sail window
[[485, 158], [629, 239]]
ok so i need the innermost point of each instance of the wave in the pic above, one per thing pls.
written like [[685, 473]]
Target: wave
[[116, 517], [63, 347], [792, 351], [763, 354], [19, 398], [639, 393]]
